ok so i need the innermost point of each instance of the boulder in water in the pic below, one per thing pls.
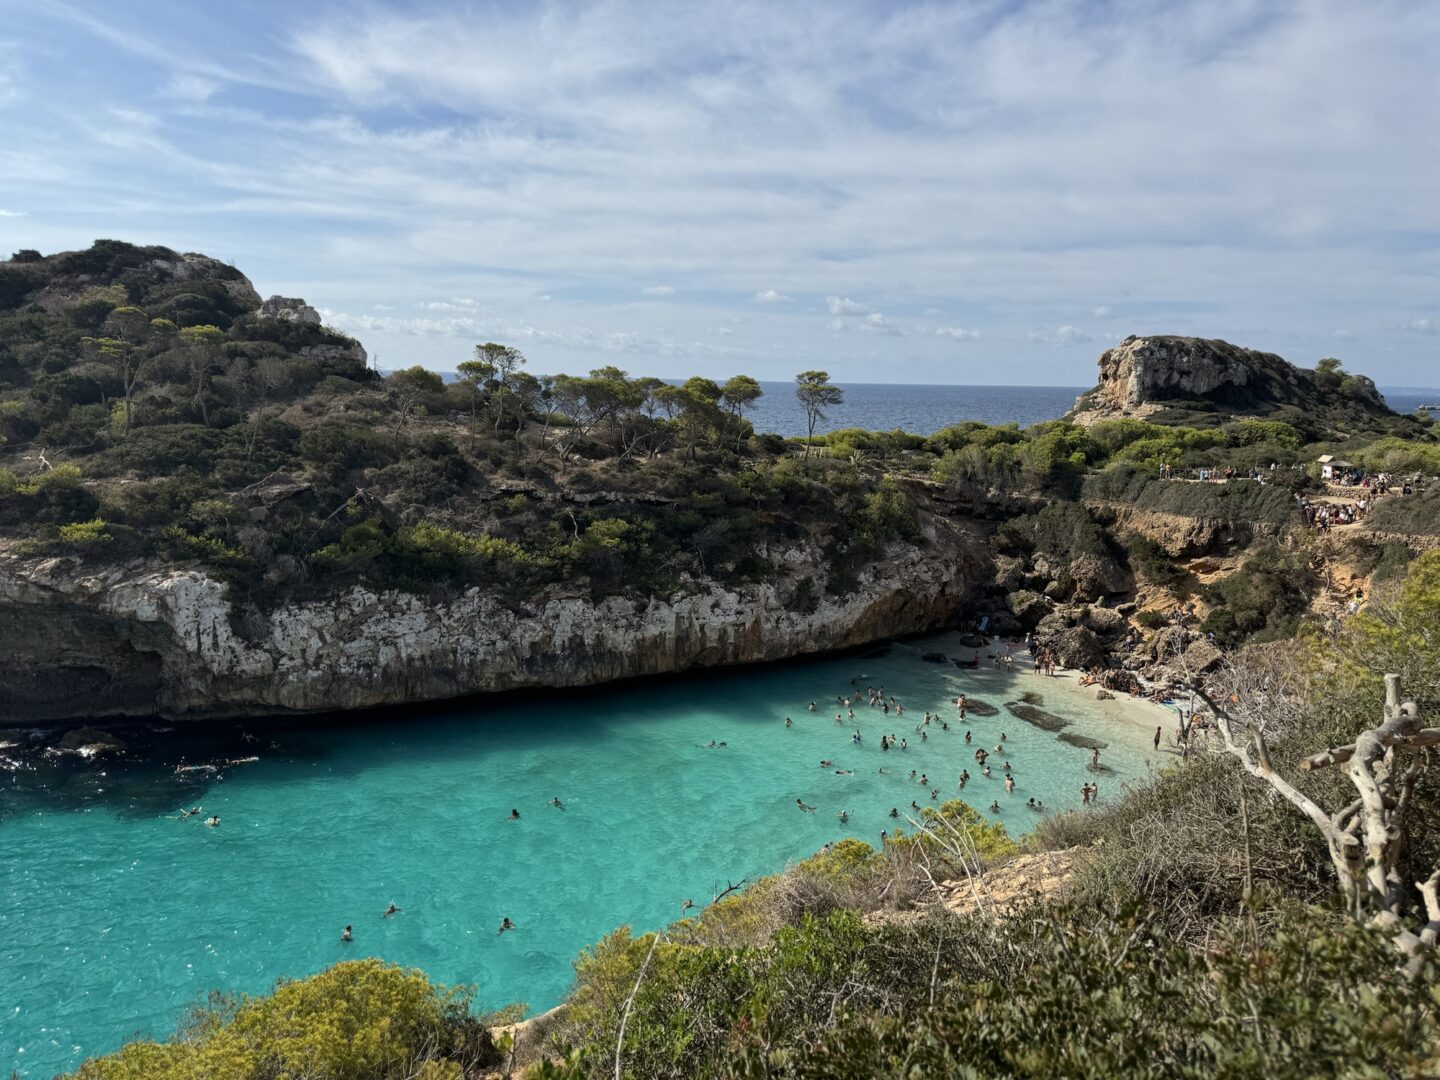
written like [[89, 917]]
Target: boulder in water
[[89, 742], [976, 707], [934, 657]]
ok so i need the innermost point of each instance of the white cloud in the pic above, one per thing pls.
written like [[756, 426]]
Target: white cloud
[[12, 213], [1423, 326], [658, 290], [1104, 311], [771, 296], [843, 305], [1063, 335], [187, 86], [959, 333], [838, 149]]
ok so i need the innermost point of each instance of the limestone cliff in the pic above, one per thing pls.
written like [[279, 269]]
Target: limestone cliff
[[1145, 376], [143, 639]]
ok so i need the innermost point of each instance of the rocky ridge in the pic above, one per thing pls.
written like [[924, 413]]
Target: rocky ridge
[[1145, 376], [143, 639]]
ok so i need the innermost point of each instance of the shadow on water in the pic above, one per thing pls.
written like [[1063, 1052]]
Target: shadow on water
[[163, 766]]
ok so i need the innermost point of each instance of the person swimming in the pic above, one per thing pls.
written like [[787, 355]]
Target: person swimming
[[914, 806], [844, 816], [924, 780], [804, 806], [825, 763], [555, 802], [987, 770], [213, 820], [844, 772], [391, 910], [347, 934], [967, 738], [894, 811], [1009, 783], [514, 815], [187, 813], [506, 924], [812, 706], [994, 808], [789, 722]]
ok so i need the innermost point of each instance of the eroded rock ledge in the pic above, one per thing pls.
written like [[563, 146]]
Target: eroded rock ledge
[[142, 639]]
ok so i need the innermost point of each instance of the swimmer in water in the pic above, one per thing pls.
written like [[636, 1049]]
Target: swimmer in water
[[1009, 783], [213, 820], [514, 815], [994, 808], [506, 924], [346, 934], [812, 706], [844, 816], [555, 802], [934, 794], [825, 763], [894, 811], [187, 813], [789, 722], [1002, 736], [967, 738], [987, 770], [391, 910], [844, 772], [914, 806], [804, 806], [964, 778]]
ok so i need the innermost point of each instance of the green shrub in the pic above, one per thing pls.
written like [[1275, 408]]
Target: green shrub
[[358, 1019]]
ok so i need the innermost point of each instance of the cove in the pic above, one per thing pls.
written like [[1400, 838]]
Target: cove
[[114, 915]]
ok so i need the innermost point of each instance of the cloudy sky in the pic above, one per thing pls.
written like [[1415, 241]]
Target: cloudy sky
[[967, 192]]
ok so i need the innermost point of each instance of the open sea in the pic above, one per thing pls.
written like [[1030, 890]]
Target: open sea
[[115, 914]]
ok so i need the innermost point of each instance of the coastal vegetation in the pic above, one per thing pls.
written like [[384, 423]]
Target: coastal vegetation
[[153, 410]]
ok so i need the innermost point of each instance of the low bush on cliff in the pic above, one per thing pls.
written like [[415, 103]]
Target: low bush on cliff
[[1235, 501], [361, 1018]]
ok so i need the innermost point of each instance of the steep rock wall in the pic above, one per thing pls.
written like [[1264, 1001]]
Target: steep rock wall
[[146, 640]]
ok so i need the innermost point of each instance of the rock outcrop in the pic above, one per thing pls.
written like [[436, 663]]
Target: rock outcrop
[[1144, 376], [146, 640], [290, 309]]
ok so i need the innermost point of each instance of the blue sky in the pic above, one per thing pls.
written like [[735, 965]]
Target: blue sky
[[973, 192]]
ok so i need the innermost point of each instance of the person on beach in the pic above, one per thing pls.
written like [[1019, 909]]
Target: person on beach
[[804, 806], [506, 924], [212, 821], [347, 934], [514, 815], [1157, 738]]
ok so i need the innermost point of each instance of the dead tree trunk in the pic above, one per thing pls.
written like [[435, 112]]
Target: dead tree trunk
[[1368, 837]]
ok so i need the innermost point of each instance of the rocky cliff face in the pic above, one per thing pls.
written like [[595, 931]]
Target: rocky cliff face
[[140, 640], [1143, 376]]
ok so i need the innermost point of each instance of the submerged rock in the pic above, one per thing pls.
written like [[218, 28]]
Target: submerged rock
[[1046, 721], [1082, 741], [976, 707]]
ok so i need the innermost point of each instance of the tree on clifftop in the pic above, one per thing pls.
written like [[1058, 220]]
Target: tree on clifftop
[[815, 394]]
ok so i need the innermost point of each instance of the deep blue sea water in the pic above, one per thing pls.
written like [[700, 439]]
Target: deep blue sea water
[[114, 915], [921, 410]]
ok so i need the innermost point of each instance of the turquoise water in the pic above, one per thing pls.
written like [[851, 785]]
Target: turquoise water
[[114, 915]]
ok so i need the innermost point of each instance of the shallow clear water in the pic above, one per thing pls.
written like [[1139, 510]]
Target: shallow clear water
[[114, 916]]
